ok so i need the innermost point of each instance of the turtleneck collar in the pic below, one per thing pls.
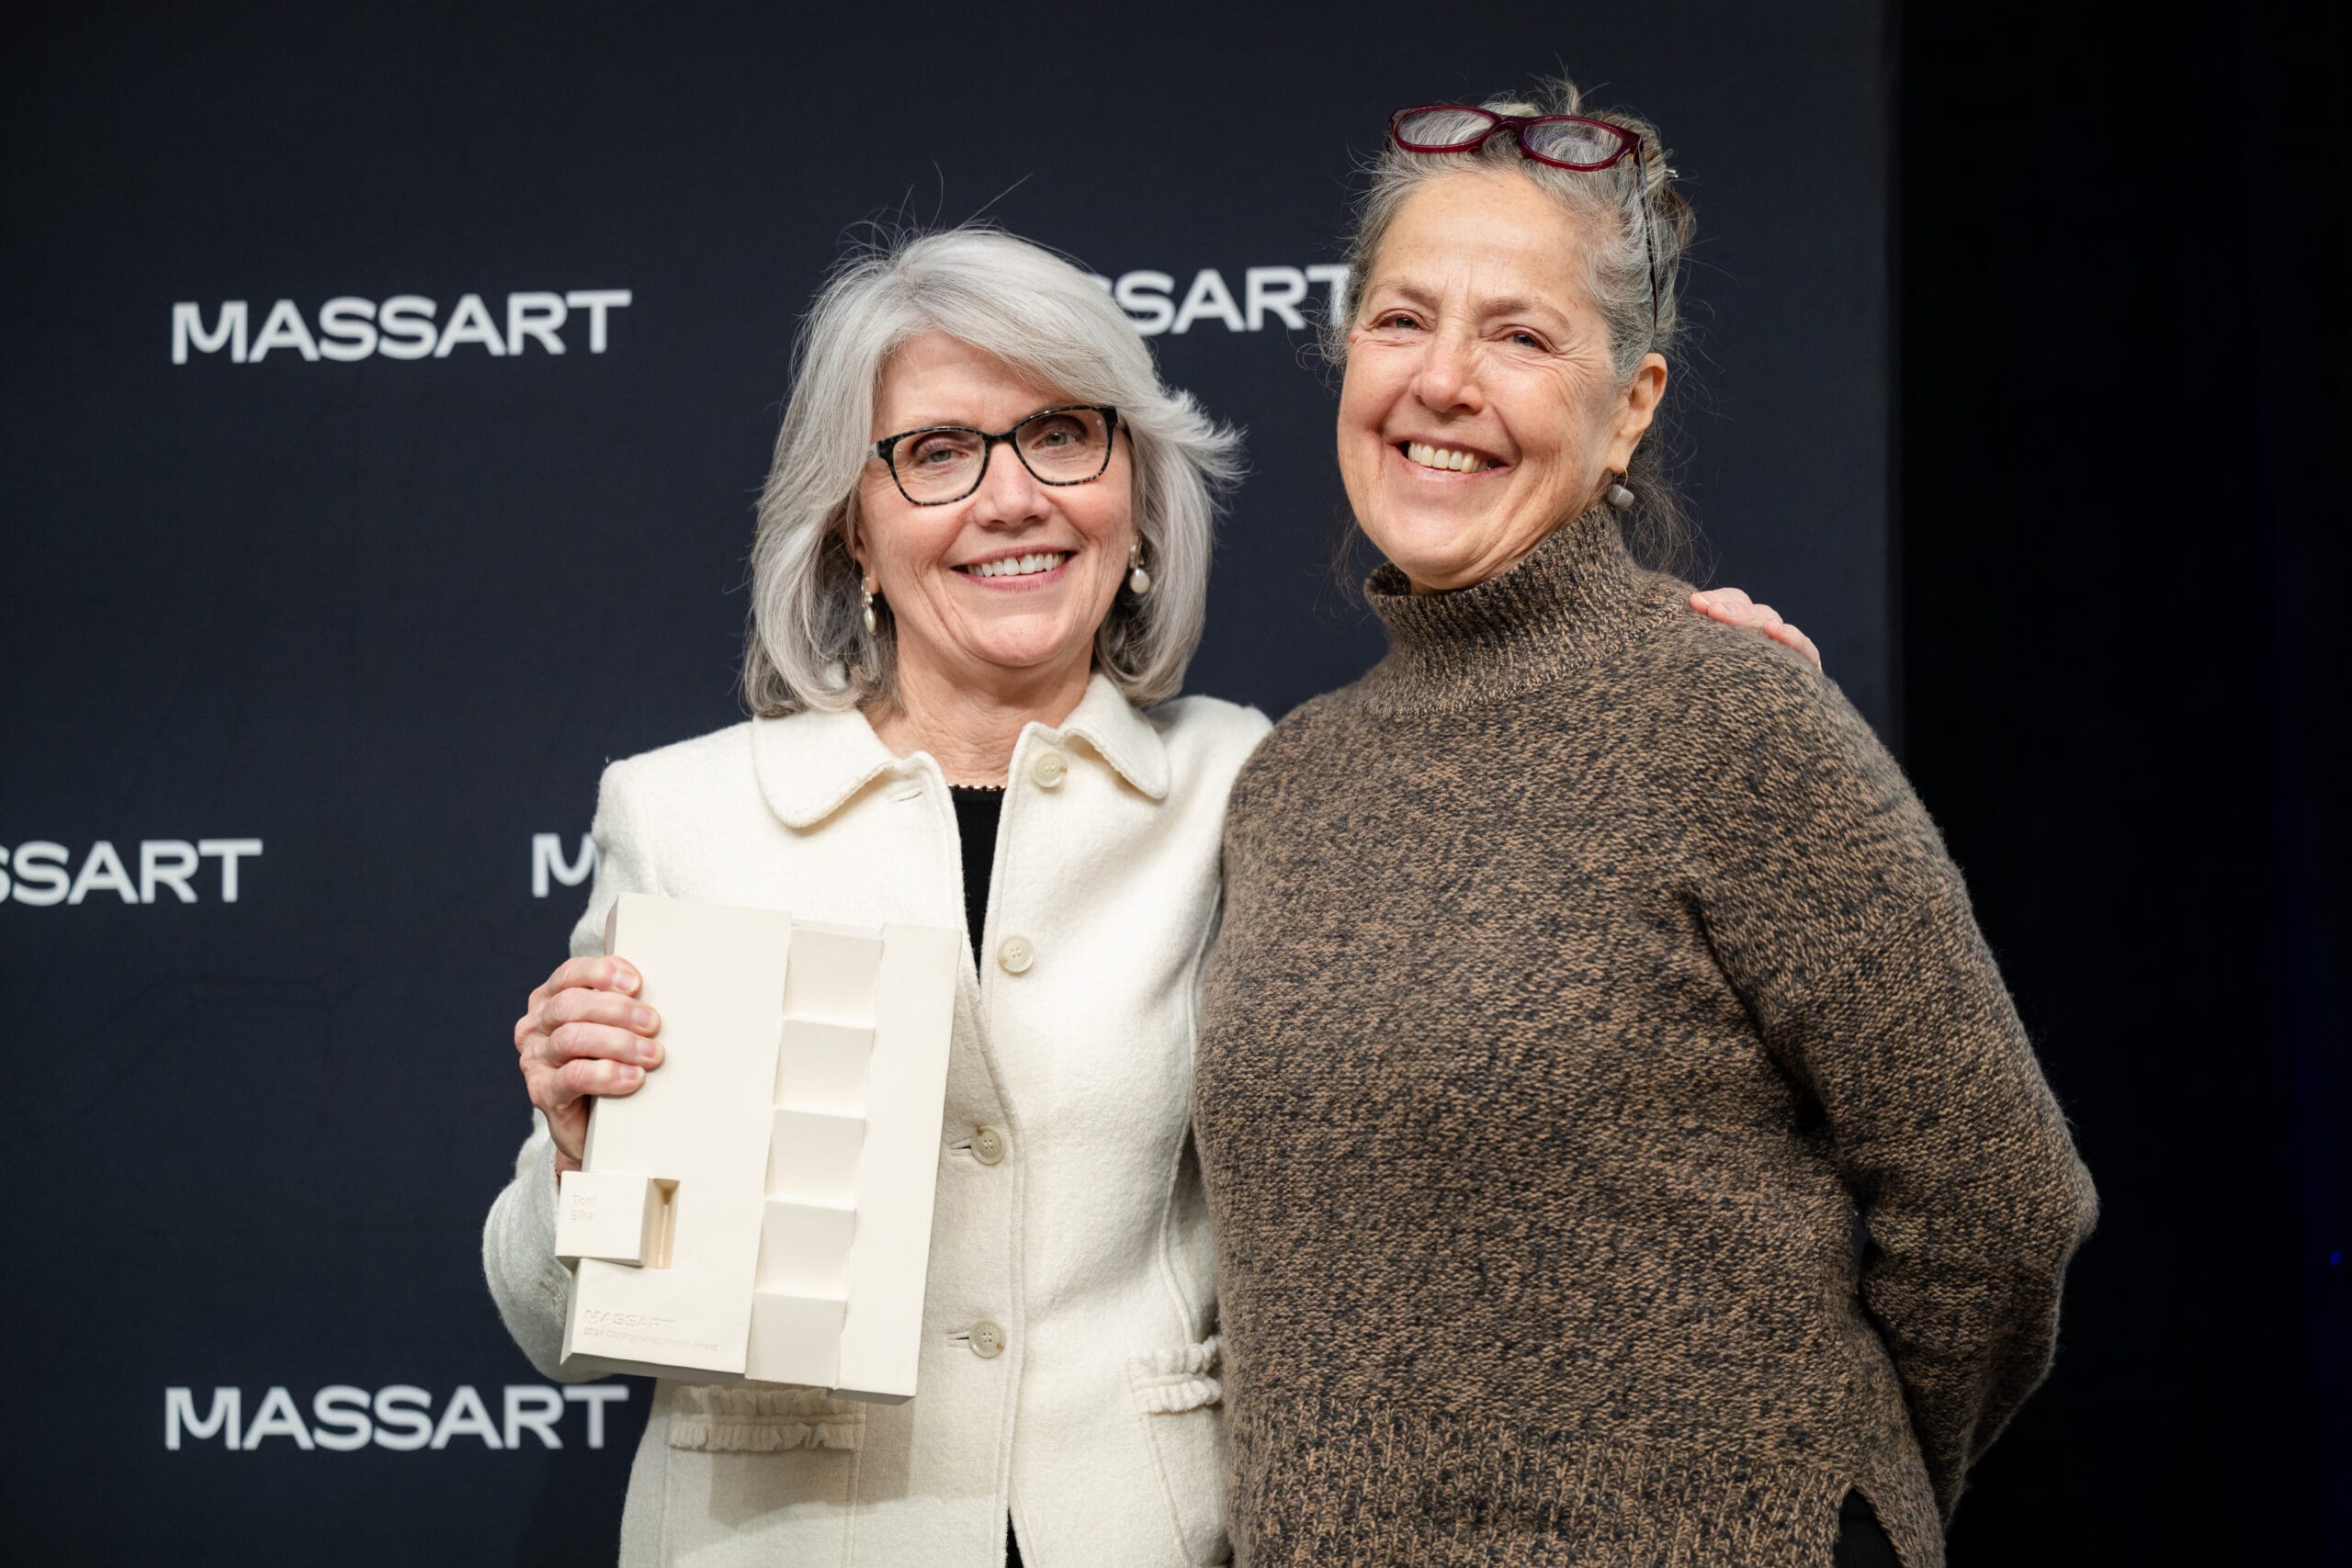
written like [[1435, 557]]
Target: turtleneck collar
[[1575, 597]]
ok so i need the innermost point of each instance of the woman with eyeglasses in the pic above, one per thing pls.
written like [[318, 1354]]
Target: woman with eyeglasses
[[980, 569], [1621, 1149], [982, 555]]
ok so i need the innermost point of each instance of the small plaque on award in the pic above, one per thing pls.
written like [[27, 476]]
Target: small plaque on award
[[759, 1211]]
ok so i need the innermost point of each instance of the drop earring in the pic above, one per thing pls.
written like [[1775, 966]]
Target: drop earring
[[1138, 579], [866, 593], [1619, 499]]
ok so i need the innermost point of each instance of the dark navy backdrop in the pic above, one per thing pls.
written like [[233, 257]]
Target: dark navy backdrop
[[363, 629]]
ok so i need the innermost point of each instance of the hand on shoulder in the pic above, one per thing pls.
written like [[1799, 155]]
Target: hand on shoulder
[[1733, 607]]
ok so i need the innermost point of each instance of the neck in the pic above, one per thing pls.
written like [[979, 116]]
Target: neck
[[970, 724], [1573, 598]]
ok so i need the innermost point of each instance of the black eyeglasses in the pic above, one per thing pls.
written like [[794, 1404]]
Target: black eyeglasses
[[941, 463], [1562, 141]]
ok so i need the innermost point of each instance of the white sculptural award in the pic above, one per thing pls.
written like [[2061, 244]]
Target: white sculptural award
[[759, 1211]]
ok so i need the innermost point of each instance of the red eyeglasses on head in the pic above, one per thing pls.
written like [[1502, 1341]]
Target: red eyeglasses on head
[[1562, 141]]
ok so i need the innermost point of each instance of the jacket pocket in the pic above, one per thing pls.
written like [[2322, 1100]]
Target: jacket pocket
[[756, 1476], [762, 1421], [1178, 1399]]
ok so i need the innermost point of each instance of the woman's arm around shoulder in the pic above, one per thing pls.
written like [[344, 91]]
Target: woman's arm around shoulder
[[1837, 913]]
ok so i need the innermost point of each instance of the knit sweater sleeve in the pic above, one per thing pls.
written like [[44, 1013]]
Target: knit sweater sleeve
[[1836, 912], [531, 1288]]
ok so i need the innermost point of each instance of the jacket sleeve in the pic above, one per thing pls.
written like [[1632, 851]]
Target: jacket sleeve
[[1839, 918], [531, 1288]]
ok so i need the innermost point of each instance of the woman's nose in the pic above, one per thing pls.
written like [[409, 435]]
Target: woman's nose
[[1009, 492], [1448, 375]]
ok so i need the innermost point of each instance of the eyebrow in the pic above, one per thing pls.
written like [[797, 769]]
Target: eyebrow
[[1509, 305]]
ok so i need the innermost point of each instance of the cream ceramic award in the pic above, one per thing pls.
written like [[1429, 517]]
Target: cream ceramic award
[[760, 1209]]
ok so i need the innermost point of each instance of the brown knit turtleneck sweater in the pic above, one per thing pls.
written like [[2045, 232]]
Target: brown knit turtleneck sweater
[[1586, 969]]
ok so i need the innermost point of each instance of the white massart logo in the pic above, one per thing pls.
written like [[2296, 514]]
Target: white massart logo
[[341, 1418], [411, 326], [1269, 294], [40, 872], [548, 864], [406, 326]]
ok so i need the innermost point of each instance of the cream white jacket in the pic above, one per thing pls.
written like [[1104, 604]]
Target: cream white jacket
[[1086, 1241]]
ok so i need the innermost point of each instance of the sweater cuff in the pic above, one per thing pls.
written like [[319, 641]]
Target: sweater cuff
[[533, 1216], [539, 1212]]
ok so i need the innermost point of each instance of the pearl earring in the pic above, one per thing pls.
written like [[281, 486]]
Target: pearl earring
[[1138, 579], [1619, 499], [866, 591]]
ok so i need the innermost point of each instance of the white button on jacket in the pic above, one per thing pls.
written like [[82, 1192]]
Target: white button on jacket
[[1067, 1371]]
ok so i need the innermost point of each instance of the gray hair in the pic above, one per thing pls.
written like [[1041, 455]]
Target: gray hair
[[807, 646], [1613, 207]]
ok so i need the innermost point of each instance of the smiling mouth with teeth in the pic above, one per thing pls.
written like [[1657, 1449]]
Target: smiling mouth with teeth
[[1445, 458], [1017, 566]]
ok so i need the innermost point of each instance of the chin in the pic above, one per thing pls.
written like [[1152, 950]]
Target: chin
[[1430, 555], [1048, 649]]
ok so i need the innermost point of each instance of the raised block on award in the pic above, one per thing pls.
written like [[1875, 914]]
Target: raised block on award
[[617, 1219], [759, 1211], [813, 1157], [797, 1339], [804, 1250], [832, 975], [822, 1067]]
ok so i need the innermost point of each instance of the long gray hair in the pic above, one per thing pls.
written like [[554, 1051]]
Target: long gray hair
[[807, 646]]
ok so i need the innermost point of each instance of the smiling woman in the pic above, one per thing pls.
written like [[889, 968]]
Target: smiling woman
[[1483, 403], [994, 575], [1588, 974], [927, 337], [1604, 304], [955, 637]]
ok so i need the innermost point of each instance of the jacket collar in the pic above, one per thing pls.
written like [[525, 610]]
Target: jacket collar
[[1118, 733], [810, 764]]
